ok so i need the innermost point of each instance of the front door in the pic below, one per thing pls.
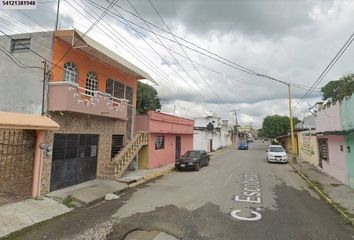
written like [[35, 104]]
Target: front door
[[178, 147], [74, 159]]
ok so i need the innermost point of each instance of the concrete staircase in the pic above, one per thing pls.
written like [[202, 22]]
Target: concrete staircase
[[123, 159]]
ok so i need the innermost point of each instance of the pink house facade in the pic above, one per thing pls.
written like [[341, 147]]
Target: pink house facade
[[169, 137], [332, 147]]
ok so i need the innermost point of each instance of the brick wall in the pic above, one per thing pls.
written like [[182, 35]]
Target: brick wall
[[84, 124]]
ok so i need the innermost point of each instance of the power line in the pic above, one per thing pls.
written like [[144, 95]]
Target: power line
[[185, 53], [105, 11], [326, 70], [16, 61], [45, 43], [139, 34], [215, 58], [175, 59], [126, 43], [242, 68], [238, 80]]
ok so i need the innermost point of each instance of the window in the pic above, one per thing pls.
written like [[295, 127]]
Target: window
[[129, 94], [71, 73], [91, 83], [20, 45], [323, 147], [115, 88], [159, 142], [117, 144]]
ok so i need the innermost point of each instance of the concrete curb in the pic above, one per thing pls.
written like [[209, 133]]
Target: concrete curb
[[146, 178], [324, 196], [152, 176]]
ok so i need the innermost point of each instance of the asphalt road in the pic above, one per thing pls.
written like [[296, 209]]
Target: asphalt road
[[238, 196]]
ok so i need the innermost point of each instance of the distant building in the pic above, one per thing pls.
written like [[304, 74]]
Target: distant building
[[212, 133]]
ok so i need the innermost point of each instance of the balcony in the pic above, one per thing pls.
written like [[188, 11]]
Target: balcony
[[70, 97]]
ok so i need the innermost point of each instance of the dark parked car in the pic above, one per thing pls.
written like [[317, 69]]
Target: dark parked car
[[193, 160], [243, 146]]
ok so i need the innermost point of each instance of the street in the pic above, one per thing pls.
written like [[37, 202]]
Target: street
[[238, 196]]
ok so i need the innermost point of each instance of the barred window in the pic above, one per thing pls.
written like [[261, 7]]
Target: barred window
[[115, 88], [91, 83], [117, 144], [129, 94], [323, 149], [159, 142], [71, 73], [20, 45]]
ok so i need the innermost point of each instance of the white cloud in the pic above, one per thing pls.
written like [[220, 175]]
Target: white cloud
[[290, 40]]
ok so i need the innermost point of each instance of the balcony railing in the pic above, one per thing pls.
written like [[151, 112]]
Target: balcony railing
[[70, 97]]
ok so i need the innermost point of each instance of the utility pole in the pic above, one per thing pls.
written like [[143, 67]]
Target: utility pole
[[235, 124], [235, 117], [291, 124], [57, 18], [46, 75], [290, 112]]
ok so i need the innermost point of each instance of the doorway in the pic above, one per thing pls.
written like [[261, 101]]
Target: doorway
[[74, 159], [178, 147]]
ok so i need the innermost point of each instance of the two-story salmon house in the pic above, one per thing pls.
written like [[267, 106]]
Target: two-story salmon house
[[91, 95]]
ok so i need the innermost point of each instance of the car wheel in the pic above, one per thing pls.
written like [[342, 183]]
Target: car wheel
[[207, 163], [197, 167]]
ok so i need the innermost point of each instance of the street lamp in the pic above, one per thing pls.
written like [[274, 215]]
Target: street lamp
[[290, 111]]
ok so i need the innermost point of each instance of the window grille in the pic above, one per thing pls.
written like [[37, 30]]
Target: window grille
[[115, 88], [117, 144], [71, 72], [159, 142], [91, 83], [129, 94], [323, 147], [20, 45]]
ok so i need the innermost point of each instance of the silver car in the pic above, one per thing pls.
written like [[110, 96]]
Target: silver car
[[276, 153]]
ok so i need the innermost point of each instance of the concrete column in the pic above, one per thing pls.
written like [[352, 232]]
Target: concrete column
[[38, 157]]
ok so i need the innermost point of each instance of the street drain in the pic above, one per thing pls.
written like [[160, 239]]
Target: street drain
[[149, 235]]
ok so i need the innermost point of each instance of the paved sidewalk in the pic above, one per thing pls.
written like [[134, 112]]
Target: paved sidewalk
[[88, 192], [16, 216], [337, 194], [142, 175], [19, 215]]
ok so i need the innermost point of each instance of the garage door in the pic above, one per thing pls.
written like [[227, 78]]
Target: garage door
[[74, 159]]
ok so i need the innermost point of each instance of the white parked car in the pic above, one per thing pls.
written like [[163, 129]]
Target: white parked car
[[276, 153]]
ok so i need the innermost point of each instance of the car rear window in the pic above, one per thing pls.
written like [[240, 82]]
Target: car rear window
[[276, 149], [192, 154]]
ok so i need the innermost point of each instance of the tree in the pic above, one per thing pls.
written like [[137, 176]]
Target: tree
[[275, 126], [336, 90], [260, 133], [147, 99]]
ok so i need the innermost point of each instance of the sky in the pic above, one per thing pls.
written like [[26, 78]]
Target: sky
[[197, 68]]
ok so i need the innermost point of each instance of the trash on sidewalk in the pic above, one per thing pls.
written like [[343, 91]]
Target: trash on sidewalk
[[111, 196]]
